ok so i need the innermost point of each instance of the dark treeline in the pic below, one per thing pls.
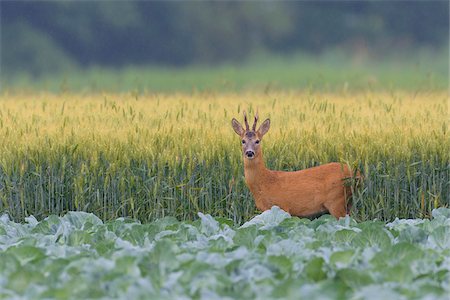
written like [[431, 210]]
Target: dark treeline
[[40, 36]]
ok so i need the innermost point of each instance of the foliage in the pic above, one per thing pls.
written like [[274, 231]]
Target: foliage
[[272, 256], [156, 155], [331, 71], [119, 33]]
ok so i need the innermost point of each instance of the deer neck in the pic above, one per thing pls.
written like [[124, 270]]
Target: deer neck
[[255, 172]]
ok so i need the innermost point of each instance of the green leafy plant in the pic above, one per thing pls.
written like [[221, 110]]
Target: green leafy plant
[[271, 256]]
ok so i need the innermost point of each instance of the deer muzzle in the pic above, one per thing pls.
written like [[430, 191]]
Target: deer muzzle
[[250, 154]]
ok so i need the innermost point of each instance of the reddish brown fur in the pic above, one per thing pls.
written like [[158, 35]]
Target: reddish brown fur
[[301, 193]]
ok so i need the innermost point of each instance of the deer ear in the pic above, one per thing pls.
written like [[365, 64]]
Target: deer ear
[[237, 127], [264, 127]]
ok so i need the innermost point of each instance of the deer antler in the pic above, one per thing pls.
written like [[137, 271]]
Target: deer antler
[[246, 122], [256, 120]]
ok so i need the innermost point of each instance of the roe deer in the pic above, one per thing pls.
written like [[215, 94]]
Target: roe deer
[[303, 193]]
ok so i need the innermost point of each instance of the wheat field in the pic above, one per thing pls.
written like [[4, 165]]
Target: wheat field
[[152, 155]]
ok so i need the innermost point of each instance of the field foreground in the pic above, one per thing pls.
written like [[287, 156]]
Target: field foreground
[[271, 256]]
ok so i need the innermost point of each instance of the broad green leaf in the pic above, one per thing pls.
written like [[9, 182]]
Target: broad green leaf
[[193, 268], [225, 221], [397, 273], [314, 269], [354, 278], [413, 234], [440, 238], [377, 292], [282, 263], [403, 252], [134, 233], [8, 262], [48, 226], [370, 237], [163, 253], [165, 222], [325, 219], [345, 235], [55, 268], [104, 247], [425, 289], [31, 220], [342, 258], [78, 237], [79, 219], [127, 265], [245, 236], [22, 278], [268, 219], [27, 254], [218, 245], [209, 226], [441, 213], [294, 222]]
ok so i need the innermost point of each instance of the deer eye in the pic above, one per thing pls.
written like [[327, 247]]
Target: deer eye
[[257, 142], [243, 141]]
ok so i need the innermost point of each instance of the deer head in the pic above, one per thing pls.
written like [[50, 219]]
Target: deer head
[[251, 138]]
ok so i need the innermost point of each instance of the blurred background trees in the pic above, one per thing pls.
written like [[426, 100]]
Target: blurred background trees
[[40, 37]]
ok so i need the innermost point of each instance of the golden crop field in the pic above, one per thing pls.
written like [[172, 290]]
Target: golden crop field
[[153, 155]]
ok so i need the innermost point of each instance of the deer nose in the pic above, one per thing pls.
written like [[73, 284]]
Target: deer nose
[[249, 154]]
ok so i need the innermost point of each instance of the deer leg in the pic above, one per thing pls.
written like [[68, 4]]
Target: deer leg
[[336, 208], [349, 208]]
